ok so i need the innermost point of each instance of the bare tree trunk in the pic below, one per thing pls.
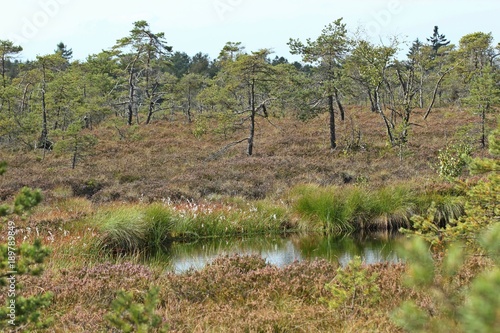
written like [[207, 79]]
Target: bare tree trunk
[[44, 142], [333, 139], [252, 120], [421, 91], [131, 98], [372, 102], [483, 130], [189, 118], [150, 112], [339, 104], [382, 114], [435, 93], [24, 99], [252, 134], [75, 154]]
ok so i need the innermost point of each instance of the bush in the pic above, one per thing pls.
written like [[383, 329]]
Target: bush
[[130, 316], [15, 261], [353, 287], [454, 305], [453, 159]]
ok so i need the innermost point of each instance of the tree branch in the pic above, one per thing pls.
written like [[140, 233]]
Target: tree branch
[[221, 151]]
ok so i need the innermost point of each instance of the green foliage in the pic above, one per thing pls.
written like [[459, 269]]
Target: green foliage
[[475, 50], [328, 53], [29, 259], [457, 307], [3, 167], [418, 319], [453, 159], [123, 230], [22, 312], [161, 223], [148, 229], [484, 95], [353, 288], [76, 142], [421, 270], [130, 316], [484, 91], [481, 208], [481, 311], [437, 40], [26, 200], [27, 309]]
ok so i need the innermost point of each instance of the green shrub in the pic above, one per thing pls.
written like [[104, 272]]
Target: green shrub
[[454, 306], [129, 316], [22, 313], [353, 287], [453, 159]]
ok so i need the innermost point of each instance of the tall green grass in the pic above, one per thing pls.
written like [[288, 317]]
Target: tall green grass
[[131, 229], [448, 207], [160, 224], [149, 228], [346, 209], [123, 229], [251, 218]]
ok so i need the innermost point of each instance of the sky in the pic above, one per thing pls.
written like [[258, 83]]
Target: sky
[[90, 26]]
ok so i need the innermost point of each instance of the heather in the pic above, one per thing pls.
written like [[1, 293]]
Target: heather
[[109, 164]]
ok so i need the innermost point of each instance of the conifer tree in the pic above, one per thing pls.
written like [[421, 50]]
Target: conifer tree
[[21, 313], [437, 40], [328, 52]]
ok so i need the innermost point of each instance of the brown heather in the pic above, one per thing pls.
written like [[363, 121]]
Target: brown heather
[[165, 160], [232, 294]]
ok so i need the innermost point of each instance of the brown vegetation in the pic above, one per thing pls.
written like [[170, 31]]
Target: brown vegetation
[[165, 160], [233, 294]]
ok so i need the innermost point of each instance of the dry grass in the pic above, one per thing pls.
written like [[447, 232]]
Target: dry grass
[[233, 294], [165, 160]]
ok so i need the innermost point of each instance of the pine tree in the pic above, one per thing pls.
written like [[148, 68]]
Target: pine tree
[[21, 313], [484, 94], [437, 40], [63, 50], [328, 51]]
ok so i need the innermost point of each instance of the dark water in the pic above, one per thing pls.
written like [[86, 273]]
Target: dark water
[[281, 251]]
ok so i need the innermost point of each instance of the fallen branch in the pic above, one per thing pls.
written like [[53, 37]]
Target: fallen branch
[[221, 151]]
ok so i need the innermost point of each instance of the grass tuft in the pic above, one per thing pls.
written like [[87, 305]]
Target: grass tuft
[[123, 230], [336, 209]]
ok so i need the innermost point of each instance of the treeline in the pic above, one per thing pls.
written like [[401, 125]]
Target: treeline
[[53, 101]]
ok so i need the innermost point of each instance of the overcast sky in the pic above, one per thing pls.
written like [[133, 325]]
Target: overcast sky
[[206, 25]]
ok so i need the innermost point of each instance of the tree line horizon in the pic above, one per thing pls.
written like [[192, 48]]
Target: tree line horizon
[[53, 100]]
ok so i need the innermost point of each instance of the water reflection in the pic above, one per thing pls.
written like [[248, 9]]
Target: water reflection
[[282, 251]]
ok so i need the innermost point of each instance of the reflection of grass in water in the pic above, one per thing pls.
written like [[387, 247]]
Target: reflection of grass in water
[[311, 246], [333, 247], [214, 247]]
